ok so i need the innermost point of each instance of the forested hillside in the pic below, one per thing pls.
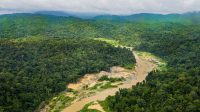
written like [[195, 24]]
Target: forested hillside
[[176, 89], [40, 54], [35, 69], [27, 25]]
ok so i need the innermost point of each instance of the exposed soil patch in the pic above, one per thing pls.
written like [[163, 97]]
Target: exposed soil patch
[[89, 80], [143, 67]]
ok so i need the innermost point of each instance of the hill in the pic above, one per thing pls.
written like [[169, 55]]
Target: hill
[[67, 14], [174, 89], [27, 25], [32, 70], [41, 53], [191, 17]]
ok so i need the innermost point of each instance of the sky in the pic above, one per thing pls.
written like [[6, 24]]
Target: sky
[[117, 7]]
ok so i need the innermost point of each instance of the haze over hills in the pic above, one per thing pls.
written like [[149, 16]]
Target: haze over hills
[[67, 14], [142, 17], [194, 16]]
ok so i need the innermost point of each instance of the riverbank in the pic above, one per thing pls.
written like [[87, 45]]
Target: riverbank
[[143, 67]]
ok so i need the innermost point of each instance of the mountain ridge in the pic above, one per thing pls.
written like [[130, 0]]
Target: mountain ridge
[[94, 15]]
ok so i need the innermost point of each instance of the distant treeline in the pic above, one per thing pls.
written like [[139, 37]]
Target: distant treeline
[[26, 25]]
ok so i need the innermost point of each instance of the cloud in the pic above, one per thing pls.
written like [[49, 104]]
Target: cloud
[[101, 6]]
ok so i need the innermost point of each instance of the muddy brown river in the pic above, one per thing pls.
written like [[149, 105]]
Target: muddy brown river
[[143, 67]]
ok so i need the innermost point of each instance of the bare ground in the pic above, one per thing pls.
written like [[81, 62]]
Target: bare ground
[[143, 67]]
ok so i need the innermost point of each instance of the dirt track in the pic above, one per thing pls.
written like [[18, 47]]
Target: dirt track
[[143, 67]]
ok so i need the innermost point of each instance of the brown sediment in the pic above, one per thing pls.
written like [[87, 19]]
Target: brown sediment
[[143, 67], [90, 80]]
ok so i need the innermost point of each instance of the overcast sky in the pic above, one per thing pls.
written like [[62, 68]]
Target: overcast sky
[[101, 6]]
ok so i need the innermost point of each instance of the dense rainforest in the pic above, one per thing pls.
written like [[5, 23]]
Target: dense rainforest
[[40, 54], [130, 27], [34, 69], [176, 89]]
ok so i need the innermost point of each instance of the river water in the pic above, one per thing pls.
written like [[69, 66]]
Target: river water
[[143, 67]]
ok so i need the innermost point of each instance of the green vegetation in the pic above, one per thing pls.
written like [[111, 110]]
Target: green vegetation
[[161, 64], [102, 86], [85, 108], [110, 79], [32, 70], [96, 86], [40, 54], [109, 41], [108, 85], [104, 105], [59, 102], [177, 87]]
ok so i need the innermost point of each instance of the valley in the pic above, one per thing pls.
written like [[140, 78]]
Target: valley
[[136, 63], [83, 95], [141, 71]]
